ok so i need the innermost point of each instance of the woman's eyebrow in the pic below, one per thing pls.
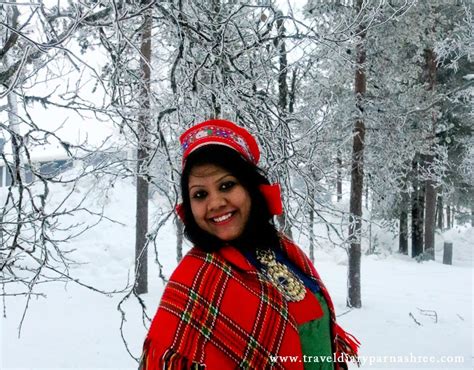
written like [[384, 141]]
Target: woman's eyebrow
[[223, 177], [196, 186], [217, 181]]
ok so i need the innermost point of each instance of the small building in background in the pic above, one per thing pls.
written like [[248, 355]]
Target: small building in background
[[47, 161]]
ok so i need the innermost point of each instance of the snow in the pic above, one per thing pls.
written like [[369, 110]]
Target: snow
[[75, 327]]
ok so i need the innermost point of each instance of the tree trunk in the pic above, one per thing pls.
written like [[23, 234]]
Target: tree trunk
[[339, 176], [16, 139], [311, 226], [371, 248], [14, 125], [282, 68], [472, 215], [357, 173], [448, 217], [367, 195], [291, 105], [216, 109], [282, 97], [430, 208], [403, 228], [141, 242], [439, 212], [179, 239], [430, 196], [418, 200], [16, 167]]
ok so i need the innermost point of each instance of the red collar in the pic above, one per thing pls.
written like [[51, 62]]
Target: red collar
[[236, 258]]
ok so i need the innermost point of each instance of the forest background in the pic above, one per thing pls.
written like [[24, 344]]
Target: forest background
[[363, 110]]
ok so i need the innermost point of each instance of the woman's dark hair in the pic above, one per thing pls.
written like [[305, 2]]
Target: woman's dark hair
[[259, 231]]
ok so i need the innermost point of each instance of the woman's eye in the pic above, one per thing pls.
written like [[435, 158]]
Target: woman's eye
[[199, 195], [227, 185]]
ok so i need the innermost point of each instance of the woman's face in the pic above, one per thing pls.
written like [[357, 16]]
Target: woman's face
[[219, 203]]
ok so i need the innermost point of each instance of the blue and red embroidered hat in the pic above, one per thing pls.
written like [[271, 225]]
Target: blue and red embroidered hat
[[223, 132], [220, 132]]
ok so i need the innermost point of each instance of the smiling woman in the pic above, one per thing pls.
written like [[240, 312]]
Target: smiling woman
[[245, 296], [219, 203]]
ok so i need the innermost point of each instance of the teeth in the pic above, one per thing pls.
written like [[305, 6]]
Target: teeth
[[222, 218]]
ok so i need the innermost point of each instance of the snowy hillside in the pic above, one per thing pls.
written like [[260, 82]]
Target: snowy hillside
[[409, 308]]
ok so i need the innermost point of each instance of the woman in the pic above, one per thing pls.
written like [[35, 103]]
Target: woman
[[244, 296]]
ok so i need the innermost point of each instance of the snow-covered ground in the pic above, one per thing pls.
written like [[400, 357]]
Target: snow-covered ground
[[409, 309]]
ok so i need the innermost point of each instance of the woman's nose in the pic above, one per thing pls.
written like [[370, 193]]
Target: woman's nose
[[216, 201]]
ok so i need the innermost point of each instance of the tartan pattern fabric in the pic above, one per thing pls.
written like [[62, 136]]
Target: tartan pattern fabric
[[218, 310]]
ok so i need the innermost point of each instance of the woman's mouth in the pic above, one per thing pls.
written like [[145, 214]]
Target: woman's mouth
[[223, 218]]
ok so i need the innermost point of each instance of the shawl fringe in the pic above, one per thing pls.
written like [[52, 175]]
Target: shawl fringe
[[347, 344], [170, 360]]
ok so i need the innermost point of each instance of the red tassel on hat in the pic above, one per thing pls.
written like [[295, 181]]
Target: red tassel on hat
[[272, 195], [179, 209]]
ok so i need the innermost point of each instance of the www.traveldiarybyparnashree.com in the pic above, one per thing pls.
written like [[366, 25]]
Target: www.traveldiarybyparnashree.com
[[371, 360]]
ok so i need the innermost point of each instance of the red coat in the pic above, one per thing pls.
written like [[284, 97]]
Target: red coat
[[217, 310]]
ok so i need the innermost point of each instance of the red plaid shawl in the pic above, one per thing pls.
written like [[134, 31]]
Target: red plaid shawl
[[219, 312]]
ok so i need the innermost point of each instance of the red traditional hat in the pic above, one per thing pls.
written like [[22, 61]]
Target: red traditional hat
[[222, 132]]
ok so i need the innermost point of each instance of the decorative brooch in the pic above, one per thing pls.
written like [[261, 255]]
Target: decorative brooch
[[289, 285]]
